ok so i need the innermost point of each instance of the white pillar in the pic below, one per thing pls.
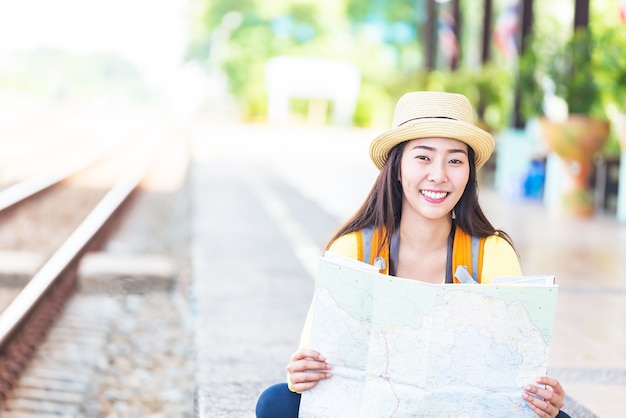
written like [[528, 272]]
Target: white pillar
[[553, 186], [621, 190]]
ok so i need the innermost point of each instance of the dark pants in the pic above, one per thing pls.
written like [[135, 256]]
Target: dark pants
[[278, 401]]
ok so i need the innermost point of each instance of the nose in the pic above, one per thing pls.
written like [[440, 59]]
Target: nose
[[437, 173]]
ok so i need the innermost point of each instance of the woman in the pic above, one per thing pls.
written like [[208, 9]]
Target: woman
[[422, 210]]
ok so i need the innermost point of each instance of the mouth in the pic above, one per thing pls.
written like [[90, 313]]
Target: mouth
[[433, 195]]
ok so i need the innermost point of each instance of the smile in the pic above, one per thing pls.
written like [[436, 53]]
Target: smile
[[434, 195]]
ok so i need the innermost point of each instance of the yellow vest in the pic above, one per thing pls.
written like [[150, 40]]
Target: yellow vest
[[499, 257], [467, 252]]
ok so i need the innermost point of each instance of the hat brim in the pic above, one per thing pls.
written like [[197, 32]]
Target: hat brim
[[481, 141]]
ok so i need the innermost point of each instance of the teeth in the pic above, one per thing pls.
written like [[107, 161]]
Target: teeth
[[434, 195]]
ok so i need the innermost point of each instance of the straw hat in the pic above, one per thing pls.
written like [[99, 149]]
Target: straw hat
[[432, 114]]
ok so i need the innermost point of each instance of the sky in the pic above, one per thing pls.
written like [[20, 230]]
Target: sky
[[150, 34]]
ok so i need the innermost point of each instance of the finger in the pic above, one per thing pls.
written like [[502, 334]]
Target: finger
[[553, 391], [301, 387], [307, 353], [539, 392], [551, 397], [307, 380], [552, 382], [541, 407], [305, 377], [307, 365]]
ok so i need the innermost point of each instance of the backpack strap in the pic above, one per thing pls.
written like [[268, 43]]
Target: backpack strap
[[477, 245], [467, 254], [365, 244], [367, 239]]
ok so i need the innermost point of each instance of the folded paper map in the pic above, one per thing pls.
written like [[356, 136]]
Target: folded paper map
[[405, 348]]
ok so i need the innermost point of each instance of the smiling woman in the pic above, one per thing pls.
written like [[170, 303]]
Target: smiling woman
[[421, 220]]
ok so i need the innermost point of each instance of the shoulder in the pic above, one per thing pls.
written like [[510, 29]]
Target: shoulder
[[346, 245], [499, 259], [497, 244]]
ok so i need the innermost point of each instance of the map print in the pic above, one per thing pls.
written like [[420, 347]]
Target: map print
[[404, 348]]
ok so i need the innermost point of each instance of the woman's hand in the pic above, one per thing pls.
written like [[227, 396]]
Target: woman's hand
[[547, 401], [306, 368]]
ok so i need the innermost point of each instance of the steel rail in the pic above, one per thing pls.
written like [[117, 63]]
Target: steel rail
[[60, 264], [24, 189]]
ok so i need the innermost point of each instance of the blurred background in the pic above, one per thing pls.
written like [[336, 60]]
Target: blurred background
[[344, 62]]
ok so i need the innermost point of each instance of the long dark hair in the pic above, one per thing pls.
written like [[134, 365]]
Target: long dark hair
[[383, 204]]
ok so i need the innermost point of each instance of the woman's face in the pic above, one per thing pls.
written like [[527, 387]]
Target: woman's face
[[433, 173]]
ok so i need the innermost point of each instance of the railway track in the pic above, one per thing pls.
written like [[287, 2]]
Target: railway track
[[32, 304]]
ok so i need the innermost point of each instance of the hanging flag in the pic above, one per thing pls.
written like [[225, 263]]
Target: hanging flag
[[446, 32], [505, 34]]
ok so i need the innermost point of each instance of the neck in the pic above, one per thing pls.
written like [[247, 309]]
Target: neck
[[423, 248], [425, 233]]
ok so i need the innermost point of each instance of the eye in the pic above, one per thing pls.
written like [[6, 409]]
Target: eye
[[422, 157], [458, 161]]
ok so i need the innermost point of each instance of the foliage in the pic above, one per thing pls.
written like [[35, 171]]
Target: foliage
[[529, 84], [588, 71], [488, 88], [588, 67], [383, 37], [570, 71], [574, 71], [605, 67], [612, 81]]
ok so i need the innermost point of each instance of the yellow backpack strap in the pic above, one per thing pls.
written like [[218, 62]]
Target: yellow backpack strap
[[467, 253], [360, 251], [368, 242]]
